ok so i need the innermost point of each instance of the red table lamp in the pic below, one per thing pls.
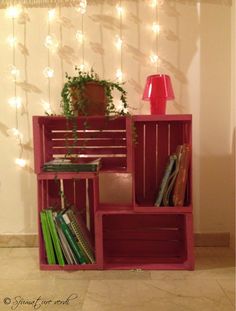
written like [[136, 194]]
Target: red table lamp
[[158, 90]]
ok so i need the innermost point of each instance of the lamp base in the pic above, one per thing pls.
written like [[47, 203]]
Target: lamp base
[[158, 106]]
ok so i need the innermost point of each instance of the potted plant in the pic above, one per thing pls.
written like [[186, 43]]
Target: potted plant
[[86, 94]]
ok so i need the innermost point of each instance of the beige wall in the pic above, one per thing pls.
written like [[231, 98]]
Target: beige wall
[[195, 50]]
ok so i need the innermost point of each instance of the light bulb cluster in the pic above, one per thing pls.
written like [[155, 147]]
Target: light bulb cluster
[[52, 44]]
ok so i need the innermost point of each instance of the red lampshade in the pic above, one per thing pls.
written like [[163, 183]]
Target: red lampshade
[[157, 90]]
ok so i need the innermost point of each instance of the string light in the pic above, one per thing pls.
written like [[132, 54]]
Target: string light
[[15, 102], [119, 9], [51, 43], [47, 107], [14, 11], [51, 15], [80, 36], [14, 132], [153, 58], [155, 27], [153, 3], [21, 162], [82, 7], [12, 41], [14, 72], [119, 75], [118, 42], [48, 72]]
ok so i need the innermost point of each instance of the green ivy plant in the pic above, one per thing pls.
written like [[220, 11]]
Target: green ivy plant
[[79, 81]]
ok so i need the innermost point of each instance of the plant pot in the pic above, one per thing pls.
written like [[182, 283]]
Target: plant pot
[[91, 100]]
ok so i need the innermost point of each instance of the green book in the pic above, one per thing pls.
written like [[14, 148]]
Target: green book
[[55, 237], [70, 238], [51, 259]]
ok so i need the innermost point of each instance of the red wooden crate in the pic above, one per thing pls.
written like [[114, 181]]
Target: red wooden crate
[[147, 241], [157, 138], [95, 137], [81, 191]]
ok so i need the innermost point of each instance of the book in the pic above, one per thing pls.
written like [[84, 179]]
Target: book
[[70, 238], [51, 259], [66, 165], [181, 179], [54, 235], [67, 251], [81, 236], [167, 196], [171, 160]]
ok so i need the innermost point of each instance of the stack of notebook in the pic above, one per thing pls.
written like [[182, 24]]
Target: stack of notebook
[[67, 239], [66, 165]]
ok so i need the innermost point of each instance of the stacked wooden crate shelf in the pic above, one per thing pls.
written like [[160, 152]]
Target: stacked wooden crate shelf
[[134, 236]]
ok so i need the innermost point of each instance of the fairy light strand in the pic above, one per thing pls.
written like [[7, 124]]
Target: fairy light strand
[[16, 102], [119, 40]]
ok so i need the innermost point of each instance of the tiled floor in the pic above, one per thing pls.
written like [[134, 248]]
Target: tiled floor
[[211, 287]]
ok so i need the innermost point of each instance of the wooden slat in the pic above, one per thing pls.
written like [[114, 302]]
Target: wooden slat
[[142, 248], [150, 163], [89, 151], [139, 163], [89, 142], [142, 221], [155, 234], [89, 134]]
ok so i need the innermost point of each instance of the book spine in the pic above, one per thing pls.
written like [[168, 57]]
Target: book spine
[[55, 238], [181, 180], [71, 239], [166, 175]]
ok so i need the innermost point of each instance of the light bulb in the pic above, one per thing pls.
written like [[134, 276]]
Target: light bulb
[[82, 67], [14, 72], [46, 107], [12, 41], [79, 36], [154, 3], [119, 74], [15, 133], [51, 43], [153, 58], [119, 9], [155, 27], [51, 15], [48, 72], [20, 162], [14, 11], [81, 8], [15, 102], [118, 42]]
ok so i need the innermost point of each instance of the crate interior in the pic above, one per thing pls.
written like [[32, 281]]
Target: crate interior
[[144, 239], [155, 142], [91, 138], [78, 194]]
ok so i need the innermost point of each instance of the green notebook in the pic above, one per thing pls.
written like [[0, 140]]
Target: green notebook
[[55, 237], [70, 238], [47, 239]]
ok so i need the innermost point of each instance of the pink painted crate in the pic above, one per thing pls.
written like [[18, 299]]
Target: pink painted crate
[[157, 138], [147, 241], [80, 190], [96, 137], [133, 236]]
